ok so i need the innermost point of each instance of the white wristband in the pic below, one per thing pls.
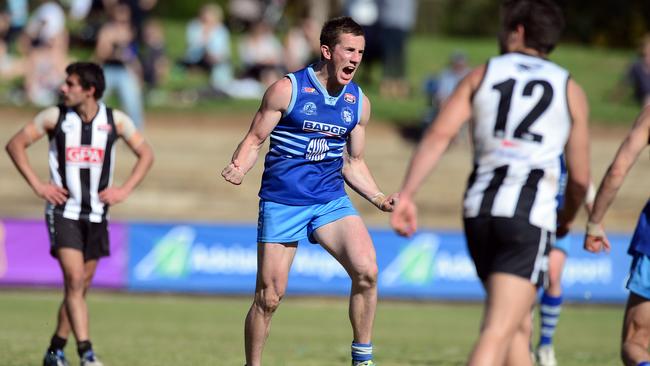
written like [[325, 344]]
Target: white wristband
[[591, 194], [378, 199], [594, 229]]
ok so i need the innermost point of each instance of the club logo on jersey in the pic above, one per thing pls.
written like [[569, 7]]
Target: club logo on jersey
[[105, 128], [347, 115], [84, 155], [309, 109], [323, 128], [66, 126], [350, 98], [525, 67], [309, 90]]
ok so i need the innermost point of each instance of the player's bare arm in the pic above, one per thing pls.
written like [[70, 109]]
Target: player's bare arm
[[355, 170], [451, 118], [274, 104], [17, 146], [139, 146], [577, 157], [637, 139]]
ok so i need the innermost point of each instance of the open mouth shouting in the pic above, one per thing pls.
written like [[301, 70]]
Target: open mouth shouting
[[348, 72]]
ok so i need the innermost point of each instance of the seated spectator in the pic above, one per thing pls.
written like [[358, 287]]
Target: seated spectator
[[260, 53], [116, 51], [244, 13], [10, 66], [639, 73], [18, 12], [155, 65], [439, 88], [85, 17], [44, 43], [208, 46], [450, 77], [302, 44]]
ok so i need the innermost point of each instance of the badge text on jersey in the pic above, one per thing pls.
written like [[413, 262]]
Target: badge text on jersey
[[324, 128]]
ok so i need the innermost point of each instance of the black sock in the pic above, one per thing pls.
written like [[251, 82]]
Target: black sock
[[57, 343], [83, 347]]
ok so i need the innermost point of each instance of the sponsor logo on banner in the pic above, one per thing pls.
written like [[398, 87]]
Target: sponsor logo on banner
[[323, 128], [169, 255], [84, 155], [309, 90], [422, 261], [584, 271], [350, 98], [179, 255]]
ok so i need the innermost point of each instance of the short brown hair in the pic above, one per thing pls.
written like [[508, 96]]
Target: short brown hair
[[542, 20], [334, 27], [90, 75]]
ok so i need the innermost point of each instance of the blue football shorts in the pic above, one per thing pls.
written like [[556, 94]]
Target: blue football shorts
[[563, 244], [279, 223], [639, 281]]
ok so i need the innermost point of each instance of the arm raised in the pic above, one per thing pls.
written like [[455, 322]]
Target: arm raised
[[274, 104]]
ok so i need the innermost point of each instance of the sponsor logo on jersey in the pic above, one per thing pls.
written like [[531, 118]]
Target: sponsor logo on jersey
[[309, 109], [309, 90], [324, 128], [84, 155], [105, 128], [509, 143], [350, 98], [347, 115]]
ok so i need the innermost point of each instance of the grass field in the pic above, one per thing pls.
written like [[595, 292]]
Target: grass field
[[147, 330]]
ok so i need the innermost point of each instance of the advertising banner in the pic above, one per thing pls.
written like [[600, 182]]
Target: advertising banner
[[437, 265], [430, 265], [25, 256]]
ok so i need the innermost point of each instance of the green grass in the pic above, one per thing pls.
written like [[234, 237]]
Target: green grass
[[148, 330]]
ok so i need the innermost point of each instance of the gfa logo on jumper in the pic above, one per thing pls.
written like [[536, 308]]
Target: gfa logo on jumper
[[84, 155], [323, 128]]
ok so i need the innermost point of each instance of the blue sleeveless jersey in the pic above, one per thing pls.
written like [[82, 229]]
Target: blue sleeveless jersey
[[640, 242], [305, 158]]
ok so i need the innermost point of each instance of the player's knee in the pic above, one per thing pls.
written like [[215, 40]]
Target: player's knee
[[526, 327], [269, 300], [498, 333], [366, 276], [75, 283]]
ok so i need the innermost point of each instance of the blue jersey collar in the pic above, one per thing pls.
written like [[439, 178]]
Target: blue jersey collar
[[329, 100]]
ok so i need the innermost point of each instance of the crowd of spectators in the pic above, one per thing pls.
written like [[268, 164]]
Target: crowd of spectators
[[126, 39]]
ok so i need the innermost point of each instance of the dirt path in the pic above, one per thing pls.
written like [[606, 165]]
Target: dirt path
[[191, 150]]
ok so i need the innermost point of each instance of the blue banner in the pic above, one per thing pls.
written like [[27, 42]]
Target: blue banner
[[431, 265]]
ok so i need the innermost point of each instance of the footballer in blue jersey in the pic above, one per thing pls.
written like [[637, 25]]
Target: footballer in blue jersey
[[316, 120], [636, 323], [550, 303]]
